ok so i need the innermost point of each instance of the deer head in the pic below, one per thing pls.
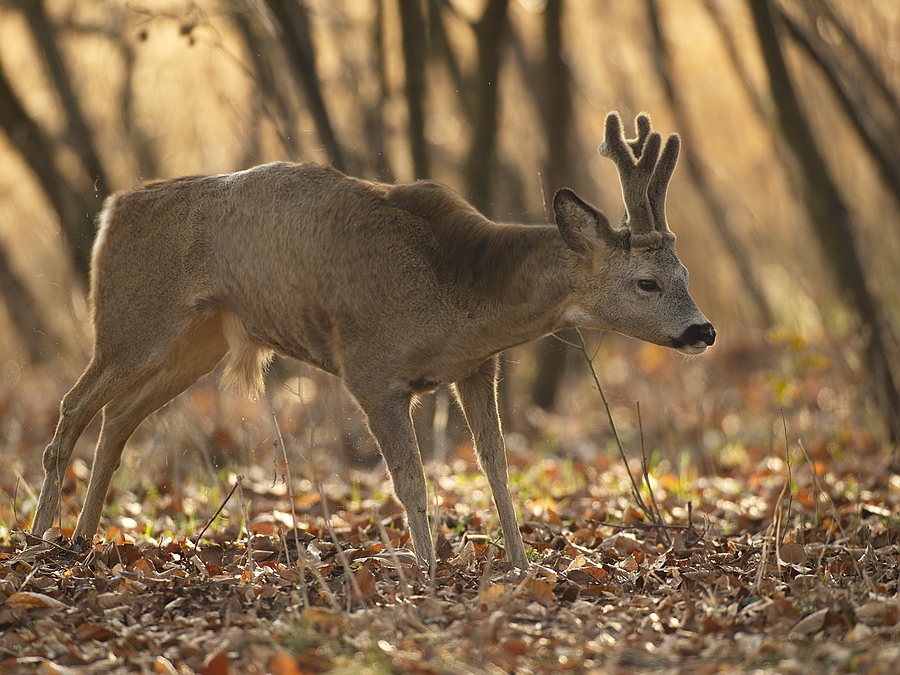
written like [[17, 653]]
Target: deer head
[[630, 279]]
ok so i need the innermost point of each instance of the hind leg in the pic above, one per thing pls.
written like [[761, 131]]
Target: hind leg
[[99, 383], [194, 355], [127, 346]]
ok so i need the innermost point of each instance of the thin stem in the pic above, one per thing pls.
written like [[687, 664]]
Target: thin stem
[[656, 513], [635, 489], [214, 516], [301, 555]]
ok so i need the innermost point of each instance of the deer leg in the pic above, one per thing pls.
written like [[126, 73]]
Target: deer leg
[[391, 425], [99, 383], [192, 356], [478, 397]]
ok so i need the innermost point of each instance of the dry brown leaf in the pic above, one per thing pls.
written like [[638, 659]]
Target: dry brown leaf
[[877, 613], [810, 624], [540, 590], [29, 600], [577, 562], [792, 553], [219, 664], [162, 666], [90, 630], [493, 597], [365, 580], [283, 663], [321, 619]]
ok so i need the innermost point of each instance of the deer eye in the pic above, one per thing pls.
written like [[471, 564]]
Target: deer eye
[[648, 285]]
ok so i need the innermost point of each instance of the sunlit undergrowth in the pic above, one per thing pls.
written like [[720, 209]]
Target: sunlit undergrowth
[[765, 536]]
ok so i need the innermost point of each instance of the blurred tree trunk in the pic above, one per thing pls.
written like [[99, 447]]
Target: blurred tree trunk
[[273, 97], [862, 100], [297, 43], [412, 22], [829, 216], [740, 254], [374, 114], [22, 309], [76, 214], [440, 44], [79, 136], [556, 108], [490, 33], [147, 164]]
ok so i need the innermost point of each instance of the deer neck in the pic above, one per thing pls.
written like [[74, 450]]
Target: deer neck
[[513, 281]]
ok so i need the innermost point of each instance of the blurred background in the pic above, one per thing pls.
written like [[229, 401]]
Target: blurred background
[[786, 202]]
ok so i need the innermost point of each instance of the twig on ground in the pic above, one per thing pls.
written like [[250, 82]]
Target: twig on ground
[[214, 516], [250, 561], [404, 584], [656, 513], [301, 554], [342, 556], [15, 497], [589, 359], [326, 591]]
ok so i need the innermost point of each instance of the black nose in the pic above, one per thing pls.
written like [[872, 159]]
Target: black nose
[[701, 332]]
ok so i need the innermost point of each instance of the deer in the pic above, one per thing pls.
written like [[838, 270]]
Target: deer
[[396, 289]]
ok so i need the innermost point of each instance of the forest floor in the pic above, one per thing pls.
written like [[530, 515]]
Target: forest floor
[[766, 537]]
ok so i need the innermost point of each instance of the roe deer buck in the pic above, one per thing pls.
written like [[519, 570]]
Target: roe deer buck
[[395, 289]]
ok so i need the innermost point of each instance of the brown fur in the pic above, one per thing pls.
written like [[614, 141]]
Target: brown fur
[[394, 289]]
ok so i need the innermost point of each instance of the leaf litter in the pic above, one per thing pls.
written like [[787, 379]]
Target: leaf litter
[[600, 594], [783, 564]]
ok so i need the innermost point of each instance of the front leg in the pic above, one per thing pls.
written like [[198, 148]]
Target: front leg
[[478, 397], [391, 425]]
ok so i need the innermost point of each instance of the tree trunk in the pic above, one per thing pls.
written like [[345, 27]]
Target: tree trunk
[[556, 100], [79, 136], [278, 105], [27, 322], [412, 22], [740, 254], [75, 216], [490, 32], [297, 43], [829, 215], [860, 101]]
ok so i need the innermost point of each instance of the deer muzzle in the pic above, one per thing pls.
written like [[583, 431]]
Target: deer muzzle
[[696, 339]]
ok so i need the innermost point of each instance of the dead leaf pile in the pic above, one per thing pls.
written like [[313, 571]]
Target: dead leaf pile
[[785, 590]]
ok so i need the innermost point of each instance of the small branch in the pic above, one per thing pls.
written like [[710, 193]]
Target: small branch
[[635, 489], [250, 561], [404, 583], [655, 513], [301, 555], [345, 561], [214, 516]]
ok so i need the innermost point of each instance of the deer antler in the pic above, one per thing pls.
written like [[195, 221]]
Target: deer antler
[[644, 175], [659, 183]]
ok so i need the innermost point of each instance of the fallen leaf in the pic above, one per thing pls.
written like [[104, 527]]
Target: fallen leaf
[[493, 597], [540, 590], [219, 664], [792, 553], [283, 663], [29, 600], [810, 624]]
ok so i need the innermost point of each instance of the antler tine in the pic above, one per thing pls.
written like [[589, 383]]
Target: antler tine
[[642, 128], [659, 182], [635, 172]]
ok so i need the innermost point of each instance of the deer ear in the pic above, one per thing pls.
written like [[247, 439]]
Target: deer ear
[[581, 225]]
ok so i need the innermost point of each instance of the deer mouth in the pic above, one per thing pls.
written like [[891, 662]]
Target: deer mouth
[[695, 339]]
